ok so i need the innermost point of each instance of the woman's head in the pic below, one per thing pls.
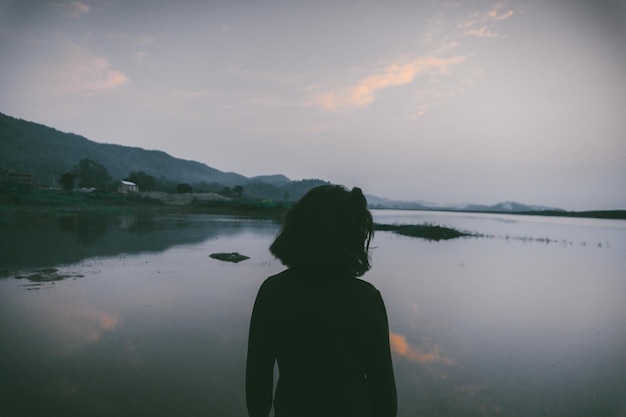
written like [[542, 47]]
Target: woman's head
[[329, 228]]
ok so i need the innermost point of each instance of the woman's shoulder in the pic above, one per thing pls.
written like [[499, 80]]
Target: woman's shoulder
[[293, 277], [364, 285], [365, 288], [276, 279], [321, 276]]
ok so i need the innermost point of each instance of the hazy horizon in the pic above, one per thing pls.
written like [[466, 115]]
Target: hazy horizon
[[439, 101]]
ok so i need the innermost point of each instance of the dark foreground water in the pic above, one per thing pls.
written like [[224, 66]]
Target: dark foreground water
[[129, 316]]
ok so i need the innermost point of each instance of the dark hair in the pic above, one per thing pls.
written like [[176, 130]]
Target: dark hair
[[328, 228]]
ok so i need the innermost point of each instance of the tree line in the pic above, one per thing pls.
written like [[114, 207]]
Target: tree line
[[91, 175]]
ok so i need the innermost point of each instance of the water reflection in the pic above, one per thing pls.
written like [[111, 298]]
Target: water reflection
[[86, 228], [525, 324], [152, 333], [145, 322], [423, 355], [70, 239]]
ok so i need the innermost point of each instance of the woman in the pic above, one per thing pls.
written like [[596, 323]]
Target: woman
[[326, 328]]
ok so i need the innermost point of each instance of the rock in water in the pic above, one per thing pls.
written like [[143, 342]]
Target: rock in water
[[229, 257]]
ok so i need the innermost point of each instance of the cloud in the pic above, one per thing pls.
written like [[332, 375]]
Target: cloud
[[400, 346], [420, 111], [496, 15], [142, 40], [479, 24], [191, 94], [139, 56], [482, 32], [364, 91], [83, 72], [493, 14], [74, 9], [97, 75], [132, 39]]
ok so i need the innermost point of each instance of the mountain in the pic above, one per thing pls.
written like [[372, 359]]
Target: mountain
[[277, 180], [508, 207], [386, 203], [504, 207], [48, 153]]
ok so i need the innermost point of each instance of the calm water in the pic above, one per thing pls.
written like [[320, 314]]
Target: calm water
[[131, 317]]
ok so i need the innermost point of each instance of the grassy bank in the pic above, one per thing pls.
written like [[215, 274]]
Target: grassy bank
[[592, 214], [50, 203]]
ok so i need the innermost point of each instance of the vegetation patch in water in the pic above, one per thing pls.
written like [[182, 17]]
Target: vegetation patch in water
[[47, 275], [424, 231]]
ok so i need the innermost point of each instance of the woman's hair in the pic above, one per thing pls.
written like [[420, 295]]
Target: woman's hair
[[329, 228]]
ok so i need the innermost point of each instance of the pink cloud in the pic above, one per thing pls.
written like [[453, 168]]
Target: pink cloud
[[364, 91], [493, 14], [480, 24], [80, 72], [95, 74], [482, 32]]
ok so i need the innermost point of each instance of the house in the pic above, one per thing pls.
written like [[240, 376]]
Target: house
[[9, 176], [127, 187]]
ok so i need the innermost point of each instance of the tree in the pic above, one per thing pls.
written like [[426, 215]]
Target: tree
[[67, 181], [92, 174], [238, 191], [226, 191], [144, 181], [184, 188]]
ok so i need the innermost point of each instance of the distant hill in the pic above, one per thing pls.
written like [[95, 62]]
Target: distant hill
[[278, 180], [504, 207], [47, 153], [508, 207]]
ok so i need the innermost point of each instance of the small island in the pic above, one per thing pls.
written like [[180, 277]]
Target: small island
[[425, 231]]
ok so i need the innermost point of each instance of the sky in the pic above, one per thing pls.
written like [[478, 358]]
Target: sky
[[448, 102]]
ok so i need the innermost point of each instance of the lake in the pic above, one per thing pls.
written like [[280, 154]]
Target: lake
[[129, 316]]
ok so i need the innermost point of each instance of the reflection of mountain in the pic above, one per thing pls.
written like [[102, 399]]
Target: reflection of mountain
[[71, 239]]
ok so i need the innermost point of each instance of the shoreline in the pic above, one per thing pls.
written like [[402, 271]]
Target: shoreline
[[55, 202], [587, 214]]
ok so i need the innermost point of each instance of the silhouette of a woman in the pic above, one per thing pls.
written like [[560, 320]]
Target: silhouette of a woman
[[326, 328]]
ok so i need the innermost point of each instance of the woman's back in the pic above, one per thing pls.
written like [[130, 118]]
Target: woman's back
[[328, 334], [326, 328]]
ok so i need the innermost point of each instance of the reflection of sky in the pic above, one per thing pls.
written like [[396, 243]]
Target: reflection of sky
[[526, 321], [560, 230], [479, 327], [150, 324], [64, 330], [423, 355]]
